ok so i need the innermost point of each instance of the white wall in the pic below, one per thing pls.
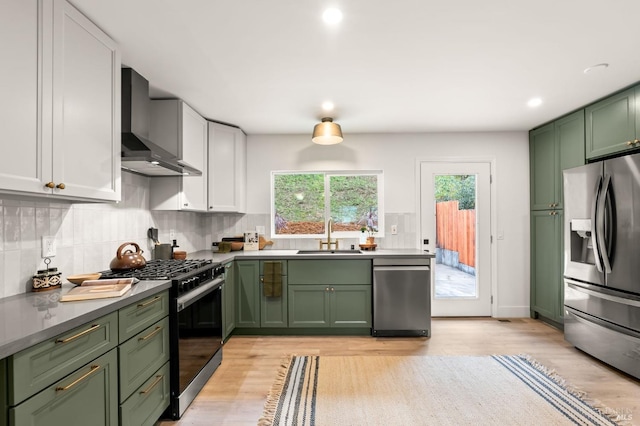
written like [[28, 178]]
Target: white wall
[[396, 155]]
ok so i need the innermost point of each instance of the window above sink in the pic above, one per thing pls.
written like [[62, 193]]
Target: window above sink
[[303, 202]]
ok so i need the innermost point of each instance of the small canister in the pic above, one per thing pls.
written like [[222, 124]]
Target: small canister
[[47, 279], [179, 255]]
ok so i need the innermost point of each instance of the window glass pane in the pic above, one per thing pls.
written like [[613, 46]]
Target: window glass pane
[[299, 203], [353, 202]]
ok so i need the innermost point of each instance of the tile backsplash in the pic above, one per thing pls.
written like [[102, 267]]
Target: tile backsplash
[[88, 235]]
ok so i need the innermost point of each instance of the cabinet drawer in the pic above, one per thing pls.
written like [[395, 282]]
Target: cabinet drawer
[[88, 396], [148, 402], [331, 271], [37, 367], [138, 316], [142, 355]]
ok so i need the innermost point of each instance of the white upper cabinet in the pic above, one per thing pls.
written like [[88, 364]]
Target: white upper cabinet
[[227, 168], [180, 130], [61, 103]]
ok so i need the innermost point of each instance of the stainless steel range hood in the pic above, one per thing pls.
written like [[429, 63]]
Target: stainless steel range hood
[[139, 154]]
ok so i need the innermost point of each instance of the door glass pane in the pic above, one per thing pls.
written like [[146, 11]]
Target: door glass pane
[[455, 200]]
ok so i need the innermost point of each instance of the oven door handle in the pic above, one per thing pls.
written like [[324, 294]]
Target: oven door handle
[[198, 293]]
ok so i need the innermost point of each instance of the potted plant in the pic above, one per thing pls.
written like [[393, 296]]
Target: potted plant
[[370, 231]]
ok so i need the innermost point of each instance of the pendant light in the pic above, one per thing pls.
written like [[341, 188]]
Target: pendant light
[[327, 132]]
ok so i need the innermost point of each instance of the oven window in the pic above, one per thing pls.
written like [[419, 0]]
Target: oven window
[[199, 335]]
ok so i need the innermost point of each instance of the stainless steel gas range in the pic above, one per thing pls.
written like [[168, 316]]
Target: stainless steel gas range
[[195, 321]]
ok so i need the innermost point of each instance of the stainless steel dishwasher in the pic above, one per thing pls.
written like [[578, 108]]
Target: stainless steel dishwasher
[[401, 297]]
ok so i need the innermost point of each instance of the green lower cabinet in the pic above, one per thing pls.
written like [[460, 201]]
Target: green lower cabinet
[[145, 406], [309, 305], [141, 355], [38, 366], [228, 301], [546, 266], [136, 317], [350, 306], [88, 396], [247, 274], [317, 305], [4, 415], [273, 309], [254, 309]]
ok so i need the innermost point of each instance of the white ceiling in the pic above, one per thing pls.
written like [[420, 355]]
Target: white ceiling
[[404, 66]]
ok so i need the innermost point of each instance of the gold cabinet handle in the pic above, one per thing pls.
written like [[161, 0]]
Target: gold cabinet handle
[[636, 141], [50, 185], [93, 327], [60, 186], [94, 368], [262, 280], [152, 385], [150, 335], [326, 289], [149, 302], [629, 143]]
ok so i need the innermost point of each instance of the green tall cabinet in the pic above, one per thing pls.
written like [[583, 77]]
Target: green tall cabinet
[[552, 148]]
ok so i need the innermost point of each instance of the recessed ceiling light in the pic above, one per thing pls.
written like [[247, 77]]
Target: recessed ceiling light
[[596, 67], [332, 16], [327, 106], [534, 102]]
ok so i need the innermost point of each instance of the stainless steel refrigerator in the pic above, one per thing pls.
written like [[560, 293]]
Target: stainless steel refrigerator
[[602, 261]]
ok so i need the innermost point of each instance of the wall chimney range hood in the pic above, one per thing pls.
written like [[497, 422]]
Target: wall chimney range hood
[[139, 154]]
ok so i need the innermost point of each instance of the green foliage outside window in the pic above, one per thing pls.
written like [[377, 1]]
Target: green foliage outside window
[[457, 187]]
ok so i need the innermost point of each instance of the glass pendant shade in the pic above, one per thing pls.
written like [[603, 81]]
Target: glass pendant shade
[[327, 132]]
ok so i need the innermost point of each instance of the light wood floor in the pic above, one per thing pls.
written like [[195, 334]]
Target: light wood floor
[[237, 391]]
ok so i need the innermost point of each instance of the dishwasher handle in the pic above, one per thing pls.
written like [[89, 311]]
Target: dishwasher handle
[[401, 268]]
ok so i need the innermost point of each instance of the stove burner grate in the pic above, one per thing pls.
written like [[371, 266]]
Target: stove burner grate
[[158, 269]]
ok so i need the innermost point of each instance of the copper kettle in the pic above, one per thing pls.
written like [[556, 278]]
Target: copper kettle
[[128, 259]]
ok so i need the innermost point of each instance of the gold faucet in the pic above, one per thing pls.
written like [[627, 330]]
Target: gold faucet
[[329, 243]]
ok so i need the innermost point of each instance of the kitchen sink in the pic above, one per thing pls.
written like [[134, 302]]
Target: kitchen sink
[[329, 251]]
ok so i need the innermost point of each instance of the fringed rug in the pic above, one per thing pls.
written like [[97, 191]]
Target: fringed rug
[[424, 390]]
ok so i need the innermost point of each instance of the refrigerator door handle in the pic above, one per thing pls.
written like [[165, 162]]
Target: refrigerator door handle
[[600, 225], [594, 219]]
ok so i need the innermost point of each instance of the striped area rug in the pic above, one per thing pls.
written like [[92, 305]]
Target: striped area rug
[[425, 390]]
